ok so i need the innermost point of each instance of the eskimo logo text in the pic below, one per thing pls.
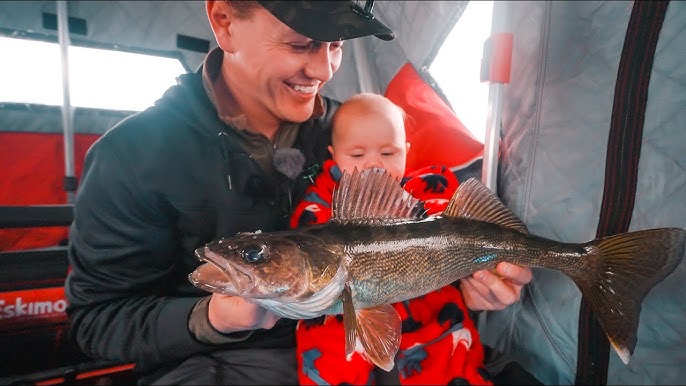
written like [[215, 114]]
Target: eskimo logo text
[[20, 309]]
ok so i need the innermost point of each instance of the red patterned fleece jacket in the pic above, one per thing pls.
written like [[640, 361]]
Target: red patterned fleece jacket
[[439, 344]]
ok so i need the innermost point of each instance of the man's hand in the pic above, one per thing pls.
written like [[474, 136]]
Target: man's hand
[[486, 290], [232, 313]]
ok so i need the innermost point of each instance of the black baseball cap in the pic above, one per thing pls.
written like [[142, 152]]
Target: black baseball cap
[[329, 21]]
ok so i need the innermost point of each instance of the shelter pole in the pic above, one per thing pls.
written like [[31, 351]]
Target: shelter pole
[[489, 172], [67, 110]]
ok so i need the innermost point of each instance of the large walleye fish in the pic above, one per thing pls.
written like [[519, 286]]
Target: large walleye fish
[[379, 249]]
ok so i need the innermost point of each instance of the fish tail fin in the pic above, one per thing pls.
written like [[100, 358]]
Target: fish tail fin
[[632, 263]]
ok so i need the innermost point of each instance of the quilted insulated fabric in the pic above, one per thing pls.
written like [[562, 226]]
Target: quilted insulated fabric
[[556, 121]]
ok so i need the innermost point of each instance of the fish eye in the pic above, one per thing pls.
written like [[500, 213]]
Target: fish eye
[[253, 254]]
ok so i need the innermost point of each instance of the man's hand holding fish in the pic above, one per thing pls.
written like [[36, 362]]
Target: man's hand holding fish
[[486, 290], [229, 314]]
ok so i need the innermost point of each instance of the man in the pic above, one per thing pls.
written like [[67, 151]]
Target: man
[[226, 150]]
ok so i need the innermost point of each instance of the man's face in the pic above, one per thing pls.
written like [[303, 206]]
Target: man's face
[[274, 72]]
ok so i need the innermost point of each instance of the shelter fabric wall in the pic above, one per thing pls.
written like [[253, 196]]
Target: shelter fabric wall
[[556, 121]]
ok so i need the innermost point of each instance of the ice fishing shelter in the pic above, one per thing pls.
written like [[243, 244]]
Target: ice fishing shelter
[[580, 74]]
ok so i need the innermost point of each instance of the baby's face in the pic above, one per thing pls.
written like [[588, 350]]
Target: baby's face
[[370, 139]]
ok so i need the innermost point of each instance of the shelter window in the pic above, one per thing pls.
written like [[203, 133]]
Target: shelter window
[[30, 72], [457, 67]]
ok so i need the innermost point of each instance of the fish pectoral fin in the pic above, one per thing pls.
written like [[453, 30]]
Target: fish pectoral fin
[[349, 322], [379, 329]]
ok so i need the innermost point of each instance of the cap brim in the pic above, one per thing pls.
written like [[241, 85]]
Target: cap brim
[[327, 21]]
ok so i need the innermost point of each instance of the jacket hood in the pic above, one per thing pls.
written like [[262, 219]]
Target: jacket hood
[[187, 102]]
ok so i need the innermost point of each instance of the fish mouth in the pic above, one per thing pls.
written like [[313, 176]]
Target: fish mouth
[[219, 275]]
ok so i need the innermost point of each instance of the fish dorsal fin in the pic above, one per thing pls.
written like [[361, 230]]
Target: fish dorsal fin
[[373, 197], [473, 200]]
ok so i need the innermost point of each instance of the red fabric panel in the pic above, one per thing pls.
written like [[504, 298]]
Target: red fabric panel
[[32, 173], [435, 133]]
